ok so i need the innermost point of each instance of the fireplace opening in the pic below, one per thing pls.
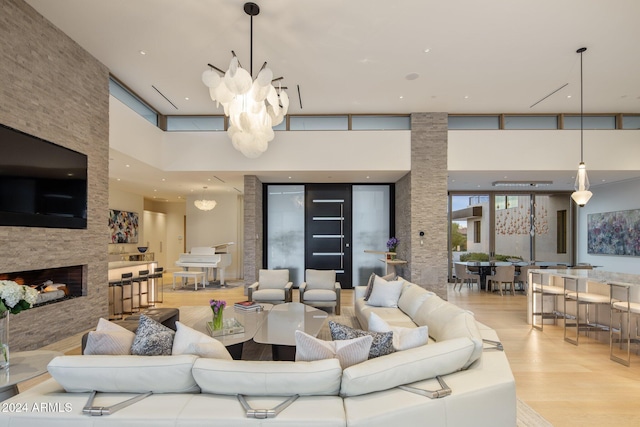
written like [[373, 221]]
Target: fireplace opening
[[53, 284]]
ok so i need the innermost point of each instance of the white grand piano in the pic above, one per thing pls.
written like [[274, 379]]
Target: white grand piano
[[209, 259]]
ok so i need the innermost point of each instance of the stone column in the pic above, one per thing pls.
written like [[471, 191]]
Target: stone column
[[421, 204], [253, 229]]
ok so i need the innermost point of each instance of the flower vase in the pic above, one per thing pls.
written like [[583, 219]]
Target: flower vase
[[217, 320], [4, 340]]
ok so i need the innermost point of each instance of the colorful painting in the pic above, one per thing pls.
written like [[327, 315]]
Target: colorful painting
[[123, 226], [614, 233]]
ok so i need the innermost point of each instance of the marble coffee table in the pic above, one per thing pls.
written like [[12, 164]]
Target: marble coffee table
[[282, 322]]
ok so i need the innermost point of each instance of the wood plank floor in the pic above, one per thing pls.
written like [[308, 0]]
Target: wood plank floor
[[568, 385]]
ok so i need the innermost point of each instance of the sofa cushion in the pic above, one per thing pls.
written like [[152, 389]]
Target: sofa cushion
[[405, 367], [348, 352], [381, 345], [320, 279], [109, 339], [273, 279], [426, 308], [125, 374], [367, 292], [412, 297], [266, 295], [152, 338], [385, 293], [403, 338], [189, 341], [320, 295], [267, 378]]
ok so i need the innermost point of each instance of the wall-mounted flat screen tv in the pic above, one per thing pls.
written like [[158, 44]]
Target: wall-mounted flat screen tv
[[41, 184]]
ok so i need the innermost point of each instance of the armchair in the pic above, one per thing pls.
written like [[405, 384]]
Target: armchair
[[321, 289], [273, 287]]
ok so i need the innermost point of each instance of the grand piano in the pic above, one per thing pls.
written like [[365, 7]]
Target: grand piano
[[209, 259]]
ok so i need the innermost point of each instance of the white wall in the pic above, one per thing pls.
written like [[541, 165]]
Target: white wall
[[609, 198]]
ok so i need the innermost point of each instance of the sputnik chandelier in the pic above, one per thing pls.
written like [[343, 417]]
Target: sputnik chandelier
[[253, 106]]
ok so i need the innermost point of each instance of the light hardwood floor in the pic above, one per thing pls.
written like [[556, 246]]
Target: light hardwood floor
[[568, 385]]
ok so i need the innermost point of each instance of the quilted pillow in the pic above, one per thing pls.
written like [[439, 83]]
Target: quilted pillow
[[152, 338], [381, 345], [190, 341], [348, 352], [109, 339], [403, 338]]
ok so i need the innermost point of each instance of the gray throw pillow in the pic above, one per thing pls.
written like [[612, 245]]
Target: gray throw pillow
[[382, 341], [152, 338], [367, 293]]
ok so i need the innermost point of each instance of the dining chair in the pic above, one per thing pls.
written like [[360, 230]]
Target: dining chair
[[503, 274], [465, 276]]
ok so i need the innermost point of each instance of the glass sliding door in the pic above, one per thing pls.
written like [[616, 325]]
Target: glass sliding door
[[553, 236], [513, 231], [371, 229], [285, 230]]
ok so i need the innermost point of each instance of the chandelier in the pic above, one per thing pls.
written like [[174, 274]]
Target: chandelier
[[582, 194], [253, 106], [204, 204]]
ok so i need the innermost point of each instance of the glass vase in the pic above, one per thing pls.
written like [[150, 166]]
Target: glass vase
[[4, 340], [217, 320]]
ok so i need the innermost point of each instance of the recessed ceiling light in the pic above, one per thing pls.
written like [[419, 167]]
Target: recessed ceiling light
[[367, 176], [466, 97], [163, 180], [401, 97], [186, 98], [427, 50], [568, 96], [289, 177], [412, 76], [117, 179], [142, 52], [128, 166]]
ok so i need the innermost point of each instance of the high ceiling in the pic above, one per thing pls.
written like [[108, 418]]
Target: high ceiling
[[370, 56]]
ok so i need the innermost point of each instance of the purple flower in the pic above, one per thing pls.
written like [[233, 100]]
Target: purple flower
[[392, 243], [217, 305]]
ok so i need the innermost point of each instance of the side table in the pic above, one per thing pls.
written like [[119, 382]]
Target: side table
[[23, 366]]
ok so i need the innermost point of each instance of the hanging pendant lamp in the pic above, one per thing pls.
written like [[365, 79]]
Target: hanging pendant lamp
[[581, 195], [204, 204], [253, 106]]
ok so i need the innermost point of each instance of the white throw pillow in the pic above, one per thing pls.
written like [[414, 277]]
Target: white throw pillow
[[109, 339], [403, 338], [190, 341], [348, 352], [385, 294]]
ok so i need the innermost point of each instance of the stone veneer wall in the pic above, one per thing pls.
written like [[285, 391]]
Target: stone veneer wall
[[52, 88], [421, 204], [253, 228]]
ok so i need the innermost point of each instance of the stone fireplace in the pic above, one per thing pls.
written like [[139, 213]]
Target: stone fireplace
[[53, 284]]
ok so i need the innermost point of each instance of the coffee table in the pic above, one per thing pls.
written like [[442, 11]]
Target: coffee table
[[197, 317], [282, 322], [23, 366]]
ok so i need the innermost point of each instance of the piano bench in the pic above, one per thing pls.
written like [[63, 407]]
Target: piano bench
[[186, 275]]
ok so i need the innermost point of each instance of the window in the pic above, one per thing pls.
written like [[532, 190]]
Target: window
[[195, 123], [319, 123], [590, 122], [380, 122], [630, 122], [531, 122], [130, 100], [474, 122], [477, 226]]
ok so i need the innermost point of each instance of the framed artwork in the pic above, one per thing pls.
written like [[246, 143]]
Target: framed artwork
[[614, 233], [123, 226]]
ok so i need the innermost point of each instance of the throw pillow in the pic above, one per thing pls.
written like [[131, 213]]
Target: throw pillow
[[152, 338], [348, 352], [403, 338], [109, 339], [385, 294], [189, 341], [367, 292], [381, 344]]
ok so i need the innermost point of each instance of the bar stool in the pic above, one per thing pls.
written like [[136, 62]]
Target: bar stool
[[623, 307], [545, 291], [128, 294], [157, 285], [587, 299], [143, 288], [115, 300]]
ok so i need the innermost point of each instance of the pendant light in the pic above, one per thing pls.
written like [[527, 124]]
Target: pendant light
[[204, 204], [582, 194]]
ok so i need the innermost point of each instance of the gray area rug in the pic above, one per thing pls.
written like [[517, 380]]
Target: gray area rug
[[526, 416], [190, 287]]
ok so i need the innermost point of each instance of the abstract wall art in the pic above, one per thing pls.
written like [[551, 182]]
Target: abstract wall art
[[123, 226], [614, 233]]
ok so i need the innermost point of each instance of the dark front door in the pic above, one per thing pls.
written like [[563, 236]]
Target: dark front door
[[328, 229]]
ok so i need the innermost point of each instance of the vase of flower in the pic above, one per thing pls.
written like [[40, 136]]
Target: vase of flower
[[217, 307], [392, 245], [4, 340]]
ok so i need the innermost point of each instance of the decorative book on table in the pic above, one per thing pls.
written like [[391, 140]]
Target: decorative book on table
[[247, 305]]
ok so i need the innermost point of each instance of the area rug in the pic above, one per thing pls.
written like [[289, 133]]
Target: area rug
[[190, 287]]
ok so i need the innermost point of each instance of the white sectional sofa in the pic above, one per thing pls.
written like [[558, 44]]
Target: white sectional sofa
[[193, 391]]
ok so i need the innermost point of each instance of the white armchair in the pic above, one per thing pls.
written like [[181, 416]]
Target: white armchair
[[321, 289], [273, 287]]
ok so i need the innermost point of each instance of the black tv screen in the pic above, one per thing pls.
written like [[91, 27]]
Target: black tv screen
[[41, 184]]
